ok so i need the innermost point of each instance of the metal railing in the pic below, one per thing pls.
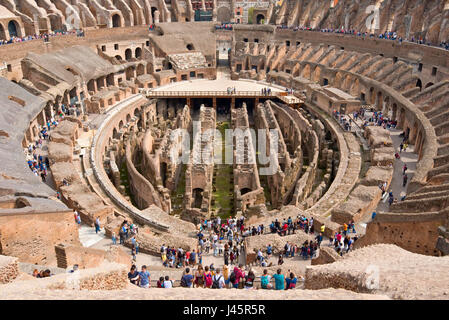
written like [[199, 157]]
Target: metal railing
[[212, 94]]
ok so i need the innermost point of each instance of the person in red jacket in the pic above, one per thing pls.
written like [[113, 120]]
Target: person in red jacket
[[239, 274]]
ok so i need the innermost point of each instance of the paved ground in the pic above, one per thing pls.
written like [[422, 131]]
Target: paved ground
[[221, 84]]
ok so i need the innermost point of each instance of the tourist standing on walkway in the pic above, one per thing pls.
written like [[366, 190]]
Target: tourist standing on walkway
[[97, 225], [404, 180]]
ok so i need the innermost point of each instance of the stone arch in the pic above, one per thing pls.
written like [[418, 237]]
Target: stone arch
[[129, 73], [128, 118], [14, 29], [355, 88], [259, 18], [429, 84], [245, 191], [317, 74], [91, 85], [110, 79], [2, 32], [119, 57], [347, 83], [224, 14], [140, 70], [338, 80], [128, 54], [386, 106], [116, 21], [115, 133], [379, 100], [394, 109], [120, 124], [306, 72], [372, 97], [138, 53]]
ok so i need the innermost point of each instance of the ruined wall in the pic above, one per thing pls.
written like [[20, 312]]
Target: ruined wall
[[9, 269], [68, 255], [31, 237], [416, 233]]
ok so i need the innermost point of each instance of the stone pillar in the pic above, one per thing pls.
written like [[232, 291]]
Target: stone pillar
[[214, 103], [232, 103]]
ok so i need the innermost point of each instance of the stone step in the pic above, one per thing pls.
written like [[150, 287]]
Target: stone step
[[88, 237]]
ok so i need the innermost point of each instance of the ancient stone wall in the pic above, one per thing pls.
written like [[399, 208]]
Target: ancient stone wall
[[9, 269]]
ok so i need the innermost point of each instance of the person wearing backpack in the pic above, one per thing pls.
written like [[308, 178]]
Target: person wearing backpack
[[187, 279], [207, 277], [265, 280], [218, 281]]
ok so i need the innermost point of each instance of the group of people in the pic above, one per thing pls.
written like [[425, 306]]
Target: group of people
[[231, 90], [387, 35], [224, 26], [266, 91], [37, 163], [44, 36], [342, 241], [213, 278]]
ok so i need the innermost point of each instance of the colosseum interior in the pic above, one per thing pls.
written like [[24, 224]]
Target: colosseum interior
[[95, 93]]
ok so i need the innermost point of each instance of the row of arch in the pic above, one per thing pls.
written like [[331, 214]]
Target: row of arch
[[369, 93]]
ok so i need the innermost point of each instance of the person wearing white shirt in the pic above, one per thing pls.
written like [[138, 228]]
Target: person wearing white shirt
[[168, 283]]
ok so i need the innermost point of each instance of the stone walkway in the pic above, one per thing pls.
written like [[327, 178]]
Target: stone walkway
[[220, 84], [408, 157]]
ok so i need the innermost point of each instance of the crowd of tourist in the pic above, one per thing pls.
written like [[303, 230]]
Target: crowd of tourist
[[388, 35], [44, 36], [224, 26], [215, 278]]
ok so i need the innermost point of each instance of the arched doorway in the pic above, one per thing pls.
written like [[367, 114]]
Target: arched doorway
[[138, 53], [13, 29], [116, 23], [260, 19], [244, 191], [128, 54]]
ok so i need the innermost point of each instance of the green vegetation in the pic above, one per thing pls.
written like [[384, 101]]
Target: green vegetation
[[177, 196], [124, 180], [250, 15], [223, 192]]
